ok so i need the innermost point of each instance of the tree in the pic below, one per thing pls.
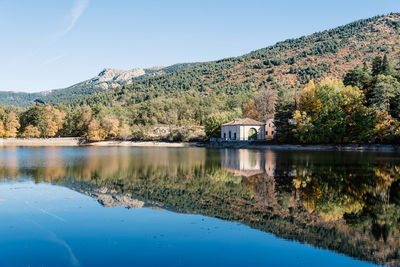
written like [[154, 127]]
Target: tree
[[35, 116], [377, 66], [54, 120], [332, 113], [124, 131], [385, 67], [31, 132], [309, 101], [358, 77], [12, 125], [387, 129], [95, 132], [250, 111], [51, 128], [213, 123], [111, 125], [2, 129], [385, 92], [172, 118], [265, 102], [47, 119], [85, 117]]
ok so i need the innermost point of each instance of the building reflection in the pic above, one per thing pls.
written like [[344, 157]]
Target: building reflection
[[247, 163]]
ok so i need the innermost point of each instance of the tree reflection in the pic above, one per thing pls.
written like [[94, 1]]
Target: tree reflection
[[347, 202]]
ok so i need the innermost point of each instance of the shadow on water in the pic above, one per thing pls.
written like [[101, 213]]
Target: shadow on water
[[348, 202]]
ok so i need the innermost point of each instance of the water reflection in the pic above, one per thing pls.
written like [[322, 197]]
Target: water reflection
[[346, 202], [247, 162]]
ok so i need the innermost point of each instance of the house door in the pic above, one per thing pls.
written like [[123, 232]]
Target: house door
[[252, 134]]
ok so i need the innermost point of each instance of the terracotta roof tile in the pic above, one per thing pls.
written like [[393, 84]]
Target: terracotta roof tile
[[244, 121]]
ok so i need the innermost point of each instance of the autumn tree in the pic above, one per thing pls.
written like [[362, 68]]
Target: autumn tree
[[12, 125], [31, 132], [309, 101], [2, 129], [250, 111], [54, 120], [85, 117], [265, 102], [95, 132], [111, 125], [46, 118], [124, 131], [338, 114]]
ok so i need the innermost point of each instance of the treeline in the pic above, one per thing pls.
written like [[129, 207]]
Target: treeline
[[182, 113], [363, 108]]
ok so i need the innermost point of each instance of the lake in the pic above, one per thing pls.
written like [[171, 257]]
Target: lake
[[122, 206]]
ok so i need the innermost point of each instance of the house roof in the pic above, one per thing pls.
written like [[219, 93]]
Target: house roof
[[244, 121]]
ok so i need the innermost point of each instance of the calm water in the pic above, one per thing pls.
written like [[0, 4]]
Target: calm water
[[197, 207]]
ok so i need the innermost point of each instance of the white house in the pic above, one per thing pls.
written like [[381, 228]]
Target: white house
[[247, 129]]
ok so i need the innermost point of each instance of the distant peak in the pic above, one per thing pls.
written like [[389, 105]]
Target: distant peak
[[106, 71]]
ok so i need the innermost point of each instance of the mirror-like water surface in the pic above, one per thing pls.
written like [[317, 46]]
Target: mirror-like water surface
[[196, 206]]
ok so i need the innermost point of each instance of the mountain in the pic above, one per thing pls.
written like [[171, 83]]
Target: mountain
[[106, 79], [284, 66]]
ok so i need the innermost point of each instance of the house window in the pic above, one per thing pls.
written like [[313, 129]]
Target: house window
[[224, 135], [230, 135], [234, 136], [267, 132], [272, 133]]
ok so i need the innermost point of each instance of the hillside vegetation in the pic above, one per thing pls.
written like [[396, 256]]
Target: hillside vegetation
[[282, 81], [287, 64]]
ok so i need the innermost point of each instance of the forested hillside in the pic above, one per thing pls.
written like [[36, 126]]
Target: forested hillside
[[287, 64]]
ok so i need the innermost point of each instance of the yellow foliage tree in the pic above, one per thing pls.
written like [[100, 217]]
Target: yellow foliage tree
[[2, 129], [124, 132], [31, 132], [309, 102], [12, 125], [85, 119], [95, 132], [386, 127], [51, 128], [111, 126], [54, 120]]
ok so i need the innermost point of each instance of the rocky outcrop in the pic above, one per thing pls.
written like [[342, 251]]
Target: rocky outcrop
[[110, 198]]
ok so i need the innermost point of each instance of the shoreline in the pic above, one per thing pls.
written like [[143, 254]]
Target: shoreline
[[80, 142]]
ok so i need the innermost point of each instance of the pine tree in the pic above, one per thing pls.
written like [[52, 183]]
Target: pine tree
[[385, 67], [376, 66]]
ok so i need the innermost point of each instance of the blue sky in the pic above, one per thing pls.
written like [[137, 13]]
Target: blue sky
[[47, 44]]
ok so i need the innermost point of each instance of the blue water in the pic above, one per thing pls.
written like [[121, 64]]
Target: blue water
[[49, 225]]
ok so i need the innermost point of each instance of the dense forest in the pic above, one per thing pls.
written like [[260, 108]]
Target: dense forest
[[335, 86]]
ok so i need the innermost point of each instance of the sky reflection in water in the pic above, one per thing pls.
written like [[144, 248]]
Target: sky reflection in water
[[140, 221]]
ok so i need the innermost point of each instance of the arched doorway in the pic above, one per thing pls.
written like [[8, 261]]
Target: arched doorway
[[252, 134]]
